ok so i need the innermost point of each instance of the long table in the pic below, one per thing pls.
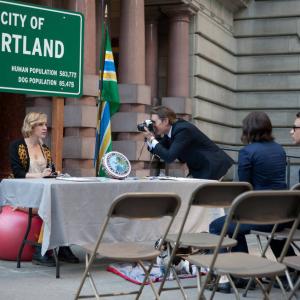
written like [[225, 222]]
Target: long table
[[73, 211]]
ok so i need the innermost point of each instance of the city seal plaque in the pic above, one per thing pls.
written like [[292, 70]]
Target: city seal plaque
[[116, 165]]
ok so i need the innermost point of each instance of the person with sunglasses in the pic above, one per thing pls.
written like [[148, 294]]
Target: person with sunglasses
[[295, 132]]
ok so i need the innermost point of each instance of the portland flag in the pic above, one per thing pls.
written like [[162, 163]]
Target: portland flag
[[108, 104]]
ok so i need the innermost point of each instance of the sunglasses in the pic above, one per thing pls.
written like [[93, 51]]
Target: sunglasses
[[295, 127]]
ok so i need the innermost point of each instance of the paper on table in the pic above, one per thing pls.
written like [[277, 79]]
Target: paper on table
[[84, 179], [177, 178]]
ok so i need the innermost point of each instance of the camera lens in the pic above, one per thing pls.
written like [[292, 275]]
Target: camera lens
[[140, 127]]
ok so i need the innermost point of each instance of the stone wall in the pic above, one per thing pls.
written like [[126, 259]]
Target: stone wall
[[246, 60]]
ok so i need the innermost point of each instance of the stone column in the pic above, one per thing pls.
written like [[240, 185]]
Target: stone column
[[178, 69], [81, 114], [152, 15], [178, 59], [132, 42], [134, 94], [178, 63]]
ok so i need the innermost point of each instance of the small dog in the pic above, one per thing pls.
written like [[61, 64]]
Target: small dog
[[180, 265]]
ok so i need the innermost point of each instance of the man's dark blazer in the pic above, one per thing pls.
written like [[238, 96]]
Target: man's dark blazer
[[188, 144]]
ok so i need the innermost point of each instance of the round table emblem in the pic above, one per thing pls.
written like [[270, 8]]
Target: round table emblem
[[116, 165]]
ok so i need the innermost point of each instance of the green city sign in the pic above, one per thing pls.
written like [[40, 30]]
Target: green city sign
[[41, 50]]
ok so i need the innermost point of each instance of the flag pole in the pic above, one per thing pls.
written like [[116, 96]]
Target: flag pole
[[103, 43], [101, 69]]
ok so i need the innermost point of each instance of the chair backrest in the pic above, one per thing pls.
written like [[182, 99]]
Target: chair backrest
[[145, 205], [262, 207], [218, 194], [266, 207], [295, 187], [214, 194]]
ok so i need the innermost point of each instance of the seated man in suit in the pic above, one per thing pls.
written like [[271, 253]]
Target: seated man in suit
[[184, 141]]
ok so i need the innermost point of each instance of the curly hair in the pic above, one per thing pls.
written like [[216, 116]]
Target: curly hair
[[30, 121]]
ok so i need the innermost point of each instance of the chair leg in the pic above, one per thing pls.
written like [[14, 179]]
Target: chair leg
[[199, 281], [215, 286], [247, 287], [296, 246], [294, 289], [84, 276], [147, 276], [259, 243], [56, 263], [25, 238], [290, 282], [171, 255], [265, 291], [281, 287], [237, 296], [201, 292], [184, 295], [91, 280]]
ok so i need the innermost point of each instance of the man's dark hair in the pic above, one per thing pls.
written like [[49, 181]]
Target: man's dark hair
[[298, 115], [257, 127], [164, 112]]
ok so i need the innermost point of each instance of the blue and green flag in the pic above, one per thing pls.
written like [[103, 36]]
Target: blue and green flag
[[108, 104]]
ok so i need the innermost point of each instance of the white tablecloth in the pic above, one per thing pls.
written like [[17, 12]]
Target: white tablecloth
[[73, 211]]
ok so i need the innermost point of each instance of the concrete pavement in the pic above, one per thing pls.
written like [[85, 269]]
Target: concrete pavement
[[36, 282]]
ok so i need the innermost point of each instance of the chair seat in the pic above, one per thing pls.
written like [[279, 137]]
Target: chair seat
[[280, 234], [239, 264], [202, 240], [129, 252], [292, 262]]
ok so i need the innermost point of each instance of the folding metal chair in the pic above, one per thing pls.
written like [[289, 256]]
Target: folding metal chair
[[280, 235], [294, 263], [211, 194], [141, 206], [255, 207]]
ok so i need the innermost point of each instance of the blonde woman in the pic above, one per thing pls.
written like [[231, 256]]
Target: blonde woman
[[31, 158]]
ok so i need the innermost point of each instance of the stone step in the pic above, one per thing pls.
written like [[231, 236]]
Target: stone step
[[206, 27], [219, 133], [265, 27], [212, 72], [214, 113], [268, 45], [231, 136], [281, 119], [271, 82], [208, 50], [246, 64], [273, 100], [204, 89], [269, 9], [265, 63]]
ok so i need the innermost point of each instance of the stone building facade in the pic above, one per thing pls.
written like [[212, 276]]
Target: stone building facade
[[212, 61]]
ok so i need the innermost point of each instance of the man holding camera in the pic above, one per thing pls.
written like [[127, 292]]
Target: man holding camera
[[184, 141]]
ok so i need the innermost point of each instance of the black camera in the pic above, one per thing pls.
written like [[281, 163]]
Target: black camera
[[148, 124]]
